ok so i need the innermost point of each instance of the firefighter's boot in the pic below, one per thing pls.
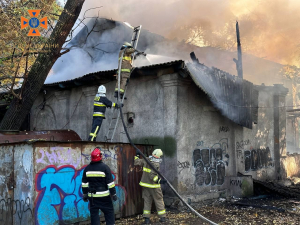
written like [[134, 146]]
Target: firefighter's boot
[[162, 219], [116, 94], [147, 220]]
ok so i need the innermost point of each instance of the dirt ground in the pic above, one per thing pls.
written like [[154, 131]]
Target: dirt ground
[[265, 211]]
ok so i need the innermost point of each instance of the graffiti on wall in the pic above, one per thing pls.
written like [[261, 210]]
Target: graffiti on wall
[[106, 154], [210, 163], [60, 156], [234, 182], [60, 196], [257, 159], [224, 129], [241, 144], [183, 165], [19, 209]]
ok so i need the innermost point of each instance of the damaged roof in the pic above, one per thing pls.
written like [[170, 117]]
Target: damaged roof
[[105, 76], [236, 98]]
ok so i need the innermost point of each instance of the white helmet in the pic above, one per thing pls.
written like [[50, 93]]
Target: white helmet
[[127, 44], [102, 89], [157, 153]]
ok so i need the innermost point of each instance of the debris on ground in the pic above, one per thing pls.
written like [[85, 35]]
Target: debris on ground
[[272, 211]]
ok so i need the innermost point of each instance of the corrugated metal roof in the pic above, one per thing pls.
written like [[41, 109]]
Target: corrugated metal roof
[[106, 74], [109, 74], [233, 96], [160, 64]]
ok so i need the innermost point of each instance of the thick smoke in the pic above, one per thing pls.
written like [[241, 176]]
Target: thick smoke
[[269, 30]]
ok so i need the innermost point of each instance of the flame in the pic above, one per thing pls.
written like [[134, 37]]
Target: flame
[[269, 29]]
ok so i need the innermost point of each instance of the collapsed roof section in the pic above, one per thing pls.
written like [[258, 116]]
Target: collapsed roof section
[[236, 98]]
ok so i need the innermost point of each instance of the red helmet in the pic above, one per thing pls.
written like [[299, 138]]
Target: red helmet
[[96, 155]]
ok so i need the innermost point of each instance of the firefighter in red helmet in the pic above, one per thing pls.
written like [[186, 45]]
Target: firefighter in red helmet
[[98, 188]]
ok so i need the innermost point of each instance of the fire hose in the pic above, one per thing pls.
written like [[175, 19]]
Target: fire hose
[[152, 167]]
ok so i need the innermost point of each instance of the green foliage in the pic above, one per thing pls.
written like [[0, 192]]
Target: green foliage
[[14, 42]]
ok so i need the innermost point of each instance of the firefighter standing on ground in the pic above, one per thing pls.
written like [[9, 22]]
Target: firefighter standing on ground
[[125, 68], [97, 187], [100, 105], [151, 186]]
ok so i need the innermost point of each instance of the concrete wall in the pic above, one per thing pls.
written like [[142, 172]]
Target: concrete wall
[[255, 147], [202, 148], [41, 182]]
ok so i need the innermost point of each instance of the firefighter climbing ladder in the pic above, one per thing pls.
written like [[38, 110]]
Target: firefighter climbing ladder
[[112, 127], [116, 113]]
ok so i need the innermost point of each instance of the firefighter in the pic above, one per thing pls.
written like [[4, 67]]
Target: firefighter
[[125, 68], [98, 187], [100, 105], [151, 186]]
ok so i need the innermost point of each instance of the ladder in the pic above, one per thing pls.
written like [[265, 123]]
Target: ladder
[[116, 113]]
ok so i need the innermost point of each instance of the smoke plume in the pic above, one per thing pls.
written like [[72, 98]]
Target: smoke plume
[[269, 30]]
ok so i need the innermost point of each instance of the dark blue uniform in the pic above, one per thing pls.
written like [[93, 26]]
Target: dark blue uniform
[[97, 182], [100, 105]]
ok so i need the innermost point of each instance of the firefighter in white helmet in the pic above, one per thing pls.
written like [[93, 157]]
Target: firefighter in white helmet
[[125, 68], [100, 105], [151, 186]]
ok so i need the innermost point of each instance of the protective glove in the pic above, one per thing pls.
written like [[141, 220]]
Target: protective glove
[[115, 197], [85, 197], [117, 106], [162, 181]]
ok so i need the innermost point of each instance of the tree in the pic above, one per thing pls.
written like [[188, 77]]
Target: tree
[[33, 82], [18, 51]]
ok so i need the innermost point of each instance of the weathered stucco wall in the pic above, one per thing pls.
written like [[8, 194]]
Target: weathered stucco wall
[[205, 144], [255, 147], [41, 182], [202, 148]]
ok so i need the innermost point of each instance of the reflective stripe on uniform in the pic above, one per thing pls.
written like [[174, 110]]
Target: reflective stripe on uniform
[[121, 90], [84, 185], [161, 212], [146, 212], [150, 185], [127, 58], [98, 114], [135, 157], [155, 178], [111, 185], [95, 174], [95, 133], [92, 134], [125, 70], [99, 194], [114, 104], [146, 170], [99, 104]]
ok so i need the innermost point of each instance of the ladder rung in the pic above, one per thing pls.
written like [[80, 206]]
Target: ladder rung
[[114, 118], [111, 128]]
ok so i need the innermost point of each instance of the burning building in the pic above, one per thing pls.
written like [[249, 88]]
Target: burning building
[[218, 132]]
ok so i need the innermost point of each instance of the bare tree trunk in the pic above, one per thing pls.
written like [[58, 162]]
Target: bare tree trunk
[[18, 109]]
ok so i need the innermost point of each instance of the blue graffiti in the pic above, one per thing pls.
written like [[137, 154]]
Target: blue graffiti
[[60, 196]]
